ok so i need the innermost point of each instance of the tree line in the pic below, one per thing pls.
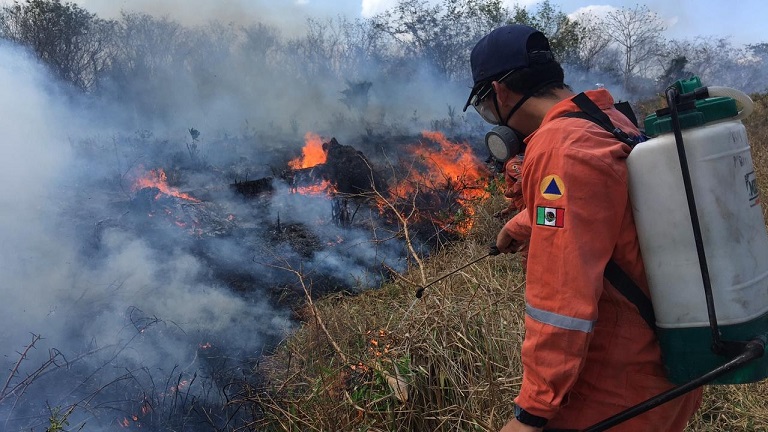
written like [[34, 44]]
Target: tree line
[[137, 54]]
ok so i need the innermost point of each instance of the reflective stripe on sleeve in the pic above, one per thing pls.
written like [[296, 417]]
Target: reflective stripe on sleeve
[[559, 321]]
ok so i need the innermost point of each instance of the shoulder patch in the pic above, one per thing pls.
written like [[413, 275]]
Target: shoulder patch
[[550, 216], [552, 187]]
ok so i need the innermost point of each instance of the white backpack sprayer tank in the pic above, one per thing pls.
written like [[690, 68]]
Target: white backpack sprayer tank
[[702, 233]]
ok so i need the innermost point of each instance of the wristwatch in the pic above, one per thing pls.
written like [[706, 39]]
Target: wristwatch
[[529, 419]]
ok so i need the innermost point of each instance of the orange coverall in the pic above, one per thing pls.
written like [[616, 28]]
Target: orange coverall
[[518, 227], [513, 170], [587, 353]]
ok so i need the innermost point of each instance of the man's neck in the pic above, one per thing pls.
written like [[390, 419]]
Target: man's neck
[[540, 106]]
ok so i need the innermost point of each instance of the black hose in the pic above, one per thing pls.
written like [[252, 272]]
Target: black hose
[[754, 349], [717, 345]]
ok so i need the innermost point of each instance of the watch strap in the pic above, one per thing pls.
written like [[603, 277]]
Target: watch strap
[[529, 419]]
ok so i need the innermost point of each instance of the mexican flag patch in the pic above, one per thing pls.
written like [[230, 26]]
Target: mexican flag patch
[[550, 216]]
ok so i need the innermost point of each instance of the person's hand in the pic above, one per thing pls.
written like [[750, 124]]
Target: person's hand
[[515, 426], [506, 243]]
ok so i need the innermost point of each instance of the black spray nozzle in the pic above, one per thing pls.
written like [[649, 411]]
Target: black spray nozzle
[[683, 101]]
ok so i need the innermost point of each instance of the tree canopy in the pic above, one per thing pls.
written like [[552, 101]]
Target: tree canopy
[[625, 44]]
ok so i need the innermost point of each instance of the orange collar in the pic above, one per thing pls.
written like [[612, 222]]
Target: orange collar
[[602, 98]]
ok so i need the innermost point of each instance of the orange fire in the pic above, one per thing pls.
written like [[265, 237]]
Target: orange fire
[[453, 162], [134, 419], [312, 153], [325, 187], [452, 167], [445, 176], [182, 385], [157, 179]]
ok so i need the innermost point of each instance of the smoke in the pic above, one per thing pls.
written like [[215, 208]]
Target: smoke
[[79, 274], [234, 78], [33, 157], [137, 298], [580, 81], [107, 301], [285, 15]]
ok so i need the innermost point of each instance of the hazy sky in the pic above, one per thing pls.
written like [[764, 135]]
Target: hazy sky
[[742, 21]]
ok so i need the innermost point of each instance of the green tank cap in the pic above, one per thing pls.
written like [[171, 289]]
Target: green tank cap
[[688, 85], [706, 111]]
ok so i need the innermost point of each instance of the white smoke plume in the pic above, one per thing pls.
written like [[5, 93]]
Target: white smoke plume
[[132, 310], [106, 301]]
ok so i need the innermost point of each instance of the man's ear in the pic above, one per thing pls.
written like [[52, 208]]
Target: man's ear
[[506, 96]]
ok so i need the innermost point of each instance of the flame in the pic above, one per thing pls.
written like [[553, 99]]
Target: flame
[[323, 188], [312, 154], [452, 167], [182, 385], [158, 179], [453, 162], [443, 182], [135, 419]]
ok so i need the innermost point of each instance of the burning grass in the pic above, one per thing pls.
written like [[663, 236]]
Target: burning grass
[[384, 360]]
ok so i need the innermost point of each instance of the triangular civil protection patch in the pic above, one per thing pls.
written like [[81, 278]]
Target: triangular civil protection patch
[[552, 187]]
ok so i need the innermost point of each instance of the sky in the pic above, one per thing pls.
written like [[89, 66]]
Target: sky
[[742, 22]]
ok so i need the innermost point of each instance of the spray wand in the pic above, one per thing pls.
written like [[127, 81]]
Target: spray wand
[[493, 251]]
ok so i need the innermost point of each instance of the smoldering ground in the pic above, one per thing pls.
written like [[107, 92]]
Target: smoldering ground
[[140, 319], [139, 312], [115, 311]]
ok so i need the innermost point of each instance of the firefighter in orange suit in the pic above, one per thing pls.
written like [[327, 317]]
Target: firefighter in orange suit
[[513, 186], [588, 353], [518, 227]]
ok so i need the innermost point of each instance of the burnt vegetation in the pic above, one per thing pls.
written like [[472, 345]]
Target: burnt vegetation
[[340, 246]]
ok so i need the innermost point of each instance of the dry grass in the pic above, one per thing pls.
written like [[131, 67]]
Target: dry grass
[[757, 131], [449, 361]]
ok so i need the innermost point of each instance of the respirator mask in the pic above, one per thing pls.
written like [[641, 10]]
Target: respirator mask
[[502, 141]]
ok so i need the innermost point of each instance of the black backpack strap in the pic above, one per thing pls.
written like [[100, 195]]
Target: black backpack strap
[[613, 273], [625, 108], [593, 113], [627, 287]]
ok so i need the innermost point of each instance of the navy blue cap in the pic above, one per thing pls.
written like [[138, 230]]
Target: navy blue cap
[[504, 49]]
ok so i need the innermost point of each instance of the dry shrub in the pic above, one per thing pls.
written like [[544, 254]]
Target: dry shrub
[[757, 132], [455, 350]]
